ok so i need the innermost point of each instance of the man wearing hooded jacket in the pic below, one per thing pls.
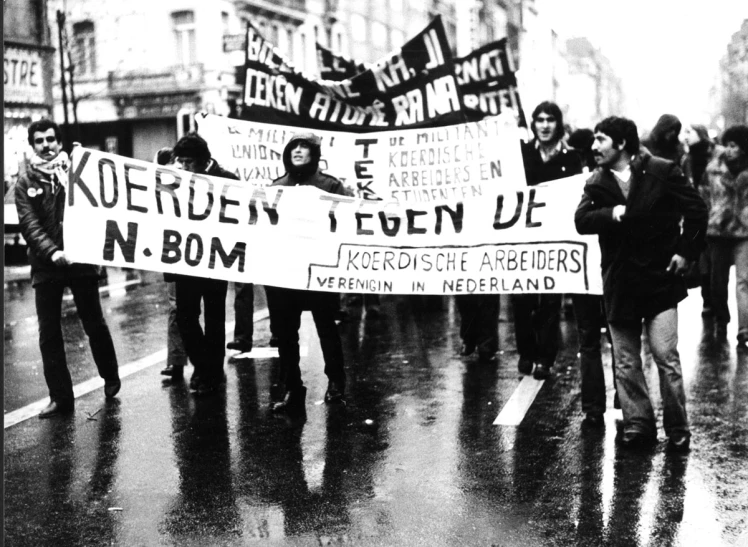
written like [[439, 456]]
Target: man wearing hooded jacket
[[634, 202], [40, 200], [301, 159]]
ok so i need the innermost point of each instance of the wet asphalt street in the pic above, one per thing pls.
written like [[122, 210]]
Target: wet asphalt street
[[412, 459]]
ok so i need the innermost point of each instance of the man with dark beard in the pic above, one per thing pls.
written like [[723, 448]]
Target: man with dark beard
[[301, 159]]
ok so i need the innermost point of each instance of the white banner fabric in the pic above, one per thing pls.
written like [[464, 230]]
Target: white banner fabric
[[134, 214], [407, 166]]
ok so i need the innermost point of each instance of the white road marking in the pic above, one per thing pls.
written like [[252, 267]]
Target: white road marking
[[33, 409], [112, 289], [516, 407], [265, 353]]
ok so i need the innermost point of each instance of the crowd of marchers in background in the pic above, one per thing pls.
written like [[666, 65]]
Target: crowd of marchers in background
[[670, 213]]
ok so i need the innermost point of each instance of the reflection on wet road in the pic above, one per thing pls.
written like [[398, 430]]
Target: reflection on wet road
[[412, 459]]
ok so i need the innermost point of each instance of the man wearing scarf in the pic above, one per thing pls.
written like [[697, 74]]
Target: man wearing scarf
[[726, 193], [40, 200]]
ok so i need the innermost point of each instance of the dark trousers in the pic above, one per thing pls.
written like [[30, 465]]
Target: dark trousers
[[479, 321], [176, 356], [205, 349], [590, 316], [286, 306], [51, 343], [244, 308], [536, 326]]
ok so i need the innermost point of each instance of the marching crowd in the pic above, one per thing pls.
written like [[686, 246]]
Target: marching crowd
[[669, 213]]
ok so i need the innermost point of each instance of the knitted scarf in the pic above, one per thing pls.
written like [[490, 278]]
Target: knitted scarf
[[56, 169]]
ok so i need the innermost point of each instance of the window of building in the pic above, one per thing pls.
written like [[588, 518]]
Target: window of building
[[398, 38], [379, 35], [84, 48], [225, 23], [289, 44], [274, 35], [184, 34]]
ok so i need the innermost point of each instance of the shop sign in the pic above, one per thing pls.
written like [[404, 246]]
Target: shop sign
[[24, 76]]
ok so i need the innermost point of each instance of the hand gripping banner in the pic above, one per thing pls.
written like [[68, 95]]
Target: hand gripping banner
[[129, 213]]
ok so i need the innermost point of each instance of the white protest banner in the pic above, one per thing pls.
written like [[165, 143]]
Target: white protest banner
[[407, 166], [128, 213]]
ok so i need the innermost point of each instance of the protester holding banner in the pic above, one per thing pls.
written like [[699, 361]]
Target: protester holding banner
[[301, 159], [635, 202], [205, 349], [537, 316], [40, 200], [176, 356]]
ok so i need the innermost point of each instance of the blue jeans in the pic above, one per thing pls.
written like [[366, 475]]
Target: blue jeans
[[638, 415]]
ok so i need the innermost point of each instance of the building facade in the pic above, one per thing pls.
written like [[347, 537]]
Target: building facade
[[137, 69], [735, 79], [28, 58]]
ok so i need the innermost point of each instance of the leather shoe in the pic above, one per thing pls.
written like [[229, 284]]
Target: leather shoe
[[467, 349], [524, 366], [240, 345], [679, 442], [55, 409], [594, 419], [174, 372], [292, 400], [635, 440], [111, 388], [541, 371], [334, 393]]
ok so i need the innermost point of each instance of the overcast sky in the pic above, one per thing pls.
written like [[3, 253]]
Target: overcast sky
[[666, 52]]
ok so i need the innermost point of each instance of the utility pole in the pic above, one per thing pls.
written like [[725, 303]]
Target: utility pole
[[73, 100], [60, 26]]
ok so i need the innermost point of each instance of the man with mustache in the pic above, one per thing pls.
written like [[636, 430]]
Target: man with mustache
[[40, 199], [634, 202]]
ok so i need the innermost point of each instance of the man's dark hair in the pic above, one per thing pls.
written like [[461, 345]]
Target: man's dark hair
[[552, 109], [192, 145], [42, 126], [619, 130], [164, 156], [737, 134], [581, 139]]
